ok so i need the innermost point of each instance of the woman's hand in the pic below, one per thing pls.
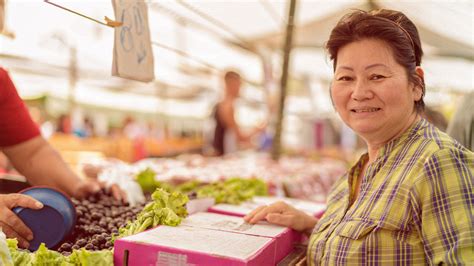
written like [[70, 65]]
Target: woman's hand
[[12, 225], [283, 214]]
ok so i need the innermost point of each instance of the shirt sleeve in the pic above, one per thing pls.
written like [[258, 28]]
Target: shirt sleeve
[[443, 202], [16, 125]]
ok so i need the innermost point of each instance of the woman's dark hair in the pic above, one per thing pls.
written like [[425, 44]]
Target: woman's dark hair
[[390, 26]]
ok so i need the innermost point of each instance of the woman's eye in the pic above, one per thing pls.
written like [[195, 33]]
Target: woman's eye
[[376, 77], [344, 78]]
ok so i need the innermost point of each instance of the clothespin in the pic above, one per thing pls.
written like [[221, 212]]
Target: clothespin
[[112, 23]]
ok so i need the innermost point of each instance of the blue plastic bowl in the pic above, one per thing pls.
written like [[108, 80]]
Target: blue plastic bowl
[[51, 224]]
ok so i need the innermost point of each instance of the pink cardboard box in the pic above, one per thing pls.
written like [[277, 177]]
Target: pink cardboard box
[[312, 208], [187, 245], [283, 236], [199, 205]]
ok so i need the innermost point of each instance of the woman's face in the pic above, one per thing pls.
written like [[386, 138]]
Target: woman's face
[[371, 91]]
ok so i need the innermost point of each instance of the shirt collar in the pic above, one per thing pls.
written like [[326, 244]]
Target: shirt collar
[[391, 145], [408, 134]]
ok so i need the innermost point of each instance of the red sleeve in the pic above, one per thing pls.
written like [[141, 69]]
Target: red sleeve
[[16, 125]]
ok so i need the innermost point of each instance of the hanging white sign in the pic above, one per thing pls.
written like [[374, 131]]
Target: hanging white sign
[[133, 56]]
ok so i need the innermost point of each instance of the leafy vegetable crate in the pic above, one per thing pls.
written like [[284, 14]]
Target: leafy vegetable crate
[[310, 207], [183, 245]]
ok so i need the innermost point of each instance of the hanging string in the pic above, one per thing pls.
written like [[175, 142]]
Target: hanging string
[[271, 11], [184, 54], [108, 22], [215, 22], [197, 60], [188, 21]]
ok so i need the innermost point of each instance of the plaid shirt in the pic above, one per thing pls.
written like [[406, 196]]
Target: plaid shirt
[[415, 206]]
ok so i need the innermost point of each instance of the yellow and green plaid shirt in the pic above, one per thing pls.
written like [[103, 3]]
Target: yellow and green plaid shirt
[[415, 206]]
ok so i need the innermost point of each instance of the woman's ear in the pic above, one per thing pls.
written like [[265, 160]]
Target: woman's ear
[[419, 89]]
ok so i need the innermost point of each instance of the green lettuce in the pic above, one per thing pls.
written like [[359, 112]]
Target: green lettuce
[[148, 183], [84, 257], [19, 257], [165, 209], [146, 179], [234, 190], [45, 257], [188, 186]]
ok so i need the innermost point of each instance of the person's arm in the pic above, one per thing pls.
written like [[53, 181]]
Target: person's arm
[[42, 165], [443, 203], [226, 113], [283, 214]]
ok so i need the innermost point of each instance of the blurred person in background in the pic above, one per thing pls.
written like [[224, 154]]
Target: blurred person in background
[[136, 132], [408, 200], [461, 126], [227, 133], [32, 156], [64, 124], [86, 130]]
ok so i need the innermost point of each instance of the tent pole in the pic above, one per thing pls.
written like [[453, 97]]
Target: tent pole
[[72, 78], [277, 147]]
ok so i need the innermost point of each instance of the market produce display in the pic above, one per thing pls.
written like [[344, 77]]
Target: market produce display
[[98, 217], [101, 220], [298, 177], [233, 190]]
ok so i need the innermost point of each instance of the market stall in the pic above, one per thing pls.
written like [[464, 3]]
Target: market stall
[[141, 123]]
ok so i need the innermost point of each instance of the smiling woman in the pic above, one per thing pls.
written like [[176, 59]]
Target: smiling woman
[[372, 92], [409, 199]]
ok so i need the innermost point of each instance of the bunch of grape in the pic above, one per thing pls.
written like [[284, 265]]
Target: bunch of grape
[[98, 218]]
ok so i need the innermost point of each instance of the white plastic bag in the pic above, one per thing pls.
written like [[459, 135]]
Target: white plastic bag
[[5, 257], [123, 176]]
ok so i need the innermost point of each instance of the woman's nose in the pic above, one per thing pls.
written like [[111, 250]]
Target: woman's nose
[[361, 91]]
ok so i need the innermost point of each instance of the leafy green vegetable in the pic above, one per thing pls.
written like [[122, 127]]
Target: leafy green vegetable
[[146, 179], [234, 190], [148, 183], [43, 256], [84, 257], [189, 186], [19, 257], [165, 209]]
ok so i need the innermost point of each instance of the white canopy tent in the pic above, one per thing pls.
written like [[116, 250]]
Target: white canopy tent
[[213, 36]]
